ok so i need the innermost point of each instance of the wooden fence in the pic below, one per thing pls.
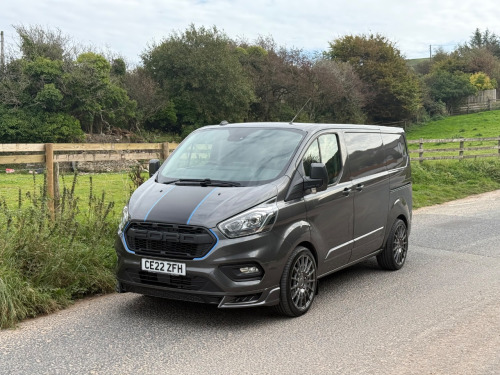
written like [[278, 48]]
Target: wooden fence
[[473, 152], [50, 153], [489, 105]]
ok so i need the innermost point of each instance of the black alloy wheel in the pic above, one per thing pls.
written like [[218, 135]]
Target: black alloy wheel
[[395, 251], [298, 283]]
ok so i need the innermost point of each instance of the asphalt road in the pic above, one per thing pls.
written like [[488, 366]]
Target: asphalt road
[[440, 314]]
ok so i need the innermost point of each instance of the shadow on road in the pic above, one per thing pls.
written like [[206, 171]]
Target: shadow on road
[[152, 310]]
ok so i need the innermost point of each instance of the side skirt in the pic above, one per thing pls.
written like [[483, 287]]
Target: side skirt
[[350, 264]]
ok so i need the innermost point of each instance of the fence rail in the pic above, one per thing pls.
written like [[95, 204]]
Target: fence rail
[[50, 153], [494, 144]]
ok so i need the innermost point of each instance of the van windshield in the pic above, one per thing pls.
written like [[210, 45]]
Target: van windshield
[[241, 156]]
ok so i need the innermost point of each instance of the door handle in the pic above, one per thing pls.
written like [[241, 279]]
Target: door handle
[[359, 187], [346, 191]]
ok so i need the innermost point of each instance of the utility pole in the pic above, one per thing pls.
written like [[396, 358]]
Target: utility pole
[[430, 52], [2, 54]]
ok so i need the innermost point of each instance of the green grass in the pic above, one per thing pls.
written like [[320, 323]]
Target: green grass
[[475, 125], [437, 182], [116, 187]]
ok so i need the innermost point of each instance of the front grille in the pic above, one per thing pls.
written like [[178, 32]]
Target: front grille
[[169, 240], [172, 281]]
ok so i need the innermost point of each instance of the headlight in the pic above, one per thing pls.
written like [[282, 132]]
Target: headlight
[[256, 220], [125, 219]]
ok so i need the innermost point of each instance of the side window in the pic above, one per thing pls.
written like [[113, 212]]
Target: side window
[[366, 154], [325, 149], [330, 155], [395, 150], [312, 155]]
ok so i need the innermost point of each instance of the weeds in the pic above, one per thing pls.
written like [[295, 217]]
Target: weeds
[[44, 263]]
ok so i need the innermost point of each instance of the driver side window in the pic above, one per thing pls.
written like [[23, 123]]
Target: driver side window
[[325, 149]]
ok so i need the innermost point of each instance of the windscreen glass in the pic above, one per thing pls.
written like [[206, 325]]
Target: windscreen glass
[[246, 155]]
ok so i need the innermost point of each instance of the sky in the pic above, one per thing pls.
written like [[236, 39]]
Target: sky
[[126, 27]]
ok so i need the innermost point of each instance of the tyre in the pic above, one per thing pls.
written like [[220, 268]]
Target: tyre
[[298, 283], [395, 251]]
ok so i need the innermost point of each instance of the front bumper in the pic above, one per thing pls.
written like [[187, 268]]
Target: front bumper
[[205, 281]]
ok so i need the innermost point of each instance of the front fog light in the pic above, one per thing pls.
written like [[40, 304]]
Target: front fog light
[[243, 272], [250, 270]]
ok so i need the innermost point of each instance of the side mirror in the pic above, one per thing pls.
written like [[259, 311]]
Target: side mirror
[[318, 179], [154, 165]]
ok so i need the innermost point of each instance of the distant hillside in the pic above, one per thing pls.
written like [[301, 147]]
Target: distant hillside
[[414, 62]]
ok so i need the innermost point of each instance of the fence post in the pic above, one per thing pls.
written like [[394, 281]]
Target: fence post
[[461, 152], [499, 145], [421, 150], [49, 165], [165, 150]]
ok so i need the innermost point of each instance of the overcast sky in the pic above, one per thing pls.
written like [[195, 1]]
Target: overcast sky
[[125, 27]]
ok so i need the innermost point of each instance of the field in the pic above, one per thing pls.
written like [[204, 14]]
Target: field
[[116, 187]]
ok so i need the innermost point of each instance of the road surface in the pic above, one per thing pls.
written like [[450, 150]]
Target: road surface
[[440, 314]]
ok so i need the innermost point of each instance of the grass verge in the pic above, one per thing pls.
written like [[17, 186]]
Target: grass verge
[[45, 264], [437, 182]]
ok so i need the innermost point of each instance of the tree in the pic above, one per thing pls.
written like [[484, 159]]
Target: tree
[[450, 88], [96, 101], [35, 41], [200, 71], [336, 92], [278, 79], [487, 40], [47, 95], [481, 81], [154, 109], [394, 92]]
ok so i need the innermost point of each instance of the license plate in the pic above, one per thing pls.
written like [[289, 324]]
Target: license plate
[[160, 266]]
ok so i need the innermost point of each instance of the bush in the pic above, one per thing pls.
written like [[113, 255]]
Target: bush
[[22, 126]]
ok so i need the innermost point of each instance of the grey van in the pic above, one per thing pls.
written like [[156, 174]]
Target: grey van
[[254, 214]]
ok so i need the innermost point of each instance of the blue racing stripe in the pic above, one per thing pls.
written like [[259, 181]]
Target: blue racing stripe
[[213, 247], [159, 199], [199, 204]]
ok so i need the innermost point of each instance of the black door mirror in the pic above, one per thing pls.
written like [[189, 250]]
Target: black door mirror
[[154, 165], [318, 179]]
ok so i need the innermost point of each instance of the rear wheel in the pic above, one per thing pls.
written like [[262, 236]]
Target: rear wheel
[[298, 283], [394, 254]]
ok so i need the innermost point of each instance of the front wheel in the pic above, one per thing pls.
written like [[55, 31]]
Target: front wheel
[[394, 254], [298, 283]]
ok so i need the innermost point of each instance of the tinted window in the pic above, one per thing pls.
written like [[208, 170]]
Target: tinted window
[[325, 149], [312, 155], [395, 150], [330, 155], [366, 154]]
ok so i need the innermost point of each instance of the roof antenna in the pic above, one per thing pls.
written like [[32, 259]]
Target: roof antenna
[[298, 113]]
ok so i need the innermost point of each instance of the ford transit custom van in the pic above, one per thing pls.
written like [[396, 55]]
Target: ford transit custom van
[[253, 214]]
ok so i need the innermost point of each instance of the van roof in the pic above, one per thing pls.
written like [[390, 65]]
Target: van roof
[[310, 127]]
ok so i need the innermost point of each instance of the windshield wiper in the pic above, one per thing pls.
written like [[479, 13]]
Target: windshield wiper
[[170, 182], [204, 182]]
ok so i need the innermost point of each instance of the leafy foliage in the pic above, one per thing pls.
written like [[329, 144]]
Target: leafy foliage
[[199, 69], [393, 87], [450, 88]]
